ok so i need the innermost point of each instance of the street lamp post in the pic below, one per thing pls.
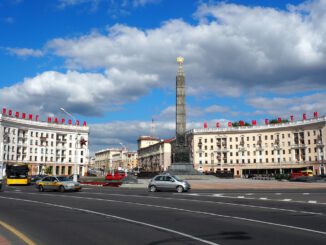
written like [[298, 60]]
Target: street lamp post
[[75, 178]]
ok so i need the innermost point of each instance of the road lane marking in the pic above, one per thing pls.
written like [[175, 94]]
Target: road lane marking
[[161, 207], [240, 197], [216, 195], [17, 233], [263, 198], [312, 201], [211, 202], [305, 193], [113, 216], [286, 200]]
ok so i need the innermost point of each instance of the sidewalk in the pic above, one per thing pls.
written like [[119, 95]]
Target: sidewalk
[[238, 184]]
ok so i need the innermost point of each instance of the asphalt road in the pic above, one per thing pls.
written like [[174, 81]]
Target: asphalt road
[[98, 215]]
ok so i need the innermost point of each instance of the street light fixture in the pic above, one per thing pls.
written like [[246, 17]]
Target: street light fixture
[[75, 178]]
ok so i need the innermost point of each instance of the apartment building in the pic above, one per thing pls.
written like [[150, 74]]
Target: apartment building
[[272, 148], [154, 154], [115, 159], [51, 147]]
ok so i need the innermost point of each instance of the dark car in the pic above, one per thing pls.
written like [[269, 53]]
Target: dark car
[[37, 177]]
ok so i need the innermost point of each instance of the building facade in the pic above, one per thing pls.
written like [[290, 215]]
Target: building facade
[[115, 159], [155, 155], [51, 147], [272, 148]]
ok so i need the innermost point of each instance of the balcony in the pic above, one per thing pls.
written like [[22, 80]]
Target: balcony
[[298, 146], [242, 149], [221, 150]]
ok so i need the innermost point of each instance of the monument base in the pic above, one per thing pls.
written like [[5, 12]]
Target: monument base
[[182, 168]]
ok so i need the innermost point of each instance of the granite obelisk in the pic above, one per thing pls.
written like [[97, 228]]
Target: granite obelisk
[[180, 151]]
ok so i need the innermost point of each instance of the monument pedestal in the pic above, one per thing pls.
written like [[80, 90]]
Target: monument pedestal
[[182, 168]]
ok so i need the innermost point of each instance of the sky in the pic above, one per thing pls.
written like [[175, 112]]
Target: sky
[[113, 63]]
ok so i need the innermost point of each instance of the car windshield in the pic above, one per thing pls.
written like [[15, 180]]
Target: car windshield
[[63, 178], [176, 178]]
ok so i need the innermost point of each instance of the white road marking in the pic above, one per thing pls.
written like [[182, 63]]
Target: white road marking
[[249, 194], [312, 201], [212, 202], [263, 198], [240, 197], [305, 193], [278, 194], [162, 207], [286, 200], [217, 195], [115, 217]]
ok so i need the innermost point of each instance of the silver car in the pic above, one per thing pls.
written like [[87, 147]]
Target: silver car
[[59, 183], [167, 182]]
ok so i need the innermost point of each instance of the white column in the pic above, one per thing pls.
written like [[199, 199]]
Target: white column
[[293, 154]]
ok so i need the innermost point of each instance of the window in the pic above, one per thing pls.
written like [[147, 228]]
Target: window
[[82, 153], [211, 140], [265, 137], [271, 137], [36, 134], [81, 160], [253, 138]]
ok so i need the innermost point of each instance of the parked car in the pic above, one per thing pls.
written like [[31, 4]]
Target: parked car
[[168, 182], [57, 183]]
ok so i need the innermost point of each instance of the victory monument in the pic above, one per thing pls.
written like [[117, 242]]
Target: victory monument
[[180, 151]]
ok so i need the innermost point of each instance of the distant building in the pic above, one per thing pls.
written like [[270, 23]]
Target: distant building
[[115, 159], [47, 147], [272, 148], [155, 154]]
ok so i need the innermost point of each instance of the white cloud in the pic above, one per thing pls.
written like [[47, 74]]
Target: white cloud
[[24, 52], [280, 106], [233, 49], [111, 134], [88, 94]]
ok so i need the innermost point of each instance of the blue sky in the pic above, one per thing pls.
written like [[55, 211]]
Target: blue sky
[[112, 63]]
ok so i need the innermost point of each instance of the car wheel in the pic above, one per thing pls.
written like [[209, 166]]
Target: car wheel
[[179, 189], [62, 188], [40, 188], [152, 188]]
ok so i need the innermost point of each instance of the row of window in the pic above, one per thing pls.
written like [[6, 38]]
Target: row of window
[[248, 161], [259, 137], [253, 145], [36, 158]]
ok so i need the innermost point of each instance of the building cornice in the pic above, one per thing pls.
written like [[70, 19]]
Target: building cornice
[[25, 123], [260, 128]]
